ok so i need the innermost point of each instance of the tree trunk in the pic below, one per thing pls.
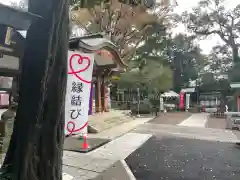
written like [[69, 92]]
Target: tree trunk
[[235, 54], [35, 150]]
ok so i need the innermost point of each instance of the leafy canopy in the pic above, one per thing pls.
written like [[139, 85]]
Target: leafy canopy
[[126, 26]]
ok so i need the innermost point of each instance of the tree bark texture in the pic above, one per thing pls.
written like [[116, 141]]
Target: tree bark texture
[[35, 150]]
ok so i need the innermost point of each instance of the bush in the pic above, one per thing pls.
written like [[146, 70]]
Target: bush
[[144, 108]]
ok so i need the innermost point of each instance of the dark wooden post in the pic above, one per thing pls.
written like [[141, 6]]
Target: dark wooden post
[[98, 94], [36, 146]]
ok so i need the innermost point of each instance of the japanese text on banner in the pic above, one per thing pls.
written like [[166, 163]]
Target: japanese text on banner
[[80, 67]]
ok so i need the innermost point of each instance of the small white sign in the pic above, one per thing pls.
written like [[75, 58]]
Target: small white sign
[[80, 68], [187, 101]]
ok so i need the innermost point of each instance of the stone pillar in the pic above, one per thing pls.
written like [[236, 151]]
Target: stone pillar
[[229, 122]]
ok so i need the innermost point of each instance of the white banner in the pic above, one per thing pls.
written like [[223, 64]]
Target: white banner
[[187, 101], [80, 68]]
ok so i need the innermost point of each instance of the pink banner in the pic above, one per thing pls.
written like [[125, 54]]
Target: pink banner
[[181, 100], [238, 103]]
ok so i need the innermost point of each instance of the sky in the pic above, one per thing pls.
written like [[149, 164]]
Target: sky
[[8, 2], [183, 5]]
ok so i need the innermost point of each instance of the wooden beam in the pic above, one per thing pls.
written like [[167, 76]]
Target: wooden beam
[[15, 18], [8, 72]]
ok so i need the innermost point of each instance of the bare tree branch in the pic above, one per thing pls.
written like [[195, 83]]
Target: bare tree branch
[[210, 17], [125, 25]]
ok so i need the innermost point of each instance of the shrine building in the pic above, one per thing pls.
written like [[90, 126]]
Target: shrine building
[[107, 63]]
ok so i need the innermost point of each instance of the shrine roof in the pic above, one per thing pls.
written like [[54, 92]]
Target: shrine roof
[[96, 42]]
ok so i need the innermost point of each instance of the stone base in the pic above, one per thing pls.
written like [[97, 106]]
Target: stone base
[[75, 144]]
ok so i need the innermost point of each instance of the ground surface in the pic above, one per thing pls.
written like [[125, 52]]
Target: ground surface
[[171, 118], [173, 158], [178, 149], [187, 150]]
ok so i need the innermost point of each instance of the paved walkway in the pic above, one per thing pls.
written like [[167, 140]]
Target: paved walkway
[[174, 158], [196, 120], [183, 152], [120, 129], [90, 165], [220, 135], [79, 166]]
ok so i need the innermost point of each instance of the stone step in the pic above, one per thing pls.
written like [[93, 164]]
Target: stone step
[[108, 123]]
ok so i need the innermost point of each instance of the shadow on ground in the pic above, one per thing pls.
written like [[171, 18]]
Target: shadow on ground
[[188, 159], [76, 144]]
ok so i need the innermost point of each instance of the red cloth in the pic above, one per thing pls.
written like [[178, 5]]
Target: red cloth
[[4, 99], [181, 101]]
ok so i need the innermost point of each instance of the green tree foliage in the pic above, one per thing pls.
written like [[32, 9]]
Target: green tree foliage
[[186, 60], [180, 54], [153, 76], [219, 61], [155, 47], [130, 28], [210, 83], [150, 67]]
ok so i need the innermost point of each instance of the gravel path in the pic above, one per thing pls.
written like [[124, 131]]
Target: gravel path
[[165, 158]]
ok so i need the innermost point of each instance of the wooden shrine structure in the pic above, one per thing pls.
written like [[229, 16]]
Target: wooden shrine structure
[[12, 22]]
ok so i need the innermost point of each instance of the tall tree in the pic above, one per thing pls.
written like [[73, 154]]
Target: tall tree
[[211, 17], [210, 82], [126, 26], [155, 47], [186, 60], [219, 61], [35, 150], [153, 76]]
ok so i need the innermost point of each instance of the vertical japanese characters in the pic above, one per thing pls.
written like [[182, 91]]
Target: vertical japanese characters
[[76, 100], [80, 68]]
